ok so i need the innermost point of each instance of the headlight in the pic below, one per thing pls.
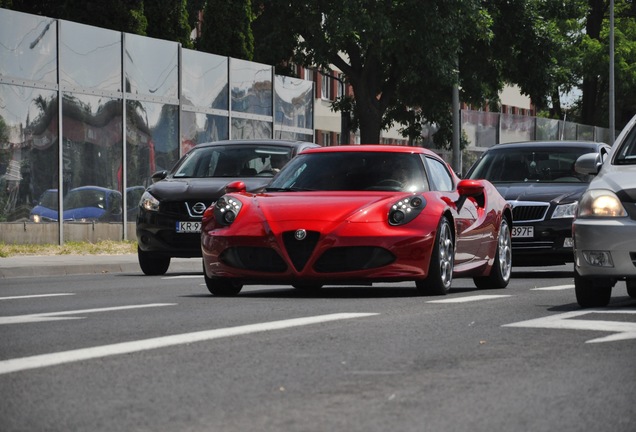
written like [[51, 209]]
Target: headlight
[[226, 209], [565, 210], [405, 210], [148, 202], [36, 218], [601, 203]]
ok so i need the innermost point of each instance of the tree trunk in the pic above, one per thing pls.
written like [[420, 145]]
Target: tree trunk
[[590, 87]]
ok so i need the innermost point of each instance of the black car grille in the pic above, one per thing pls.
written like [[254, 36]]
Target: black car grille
[[299, 251], [529, 212], [179, 209], [344, 259], [254, 258]]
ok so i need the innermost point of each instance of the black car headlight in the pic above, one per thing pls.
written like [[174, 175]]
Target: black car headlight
[[226, 210], [148, 202], [405, 210], [565, 210]]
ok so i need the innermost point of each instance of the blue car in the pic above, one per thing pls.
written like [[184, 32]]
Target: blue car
[[82, 204], [46, 208]]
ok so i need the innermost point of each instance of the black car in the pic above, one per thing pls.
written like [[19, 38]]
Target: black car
[[170, 210], [539, 181]]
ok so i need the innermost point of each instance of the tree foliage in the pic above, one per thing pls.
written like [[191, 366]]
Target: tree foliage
[[403, 57], [168, 19], [226, 29]]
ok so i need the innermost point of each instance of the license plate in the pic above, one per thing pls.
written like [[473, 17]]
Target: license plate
[[522, 231], [188, 227]]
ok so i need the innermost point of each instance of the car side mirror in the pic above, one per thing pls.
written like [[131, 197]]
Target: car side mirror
[[159, 175], [589, 163], [235, 186], [471, 188]]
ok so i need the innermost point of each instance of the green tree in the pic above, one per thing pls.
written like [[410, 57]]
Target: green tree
[[121, 15], [403, 57], [226, 29], [169, 20]]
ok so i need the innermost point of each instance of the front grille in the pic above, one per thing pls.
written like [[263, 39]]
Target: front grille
[[344, 259], [253, 258], [299, 251], [529, 212], [184, 209]]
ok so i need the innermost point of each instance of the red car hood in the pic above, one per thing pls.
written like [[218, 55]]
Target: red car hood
[[326, 207]]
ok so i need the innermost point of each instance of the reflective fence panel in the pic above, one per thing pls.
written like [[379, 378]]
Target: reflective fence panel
[[251, 87], [547, 129], [204, 80], [151, 139], [29, 46], [90, 57], [151, 67], [513, 128], [293, 102], [28, 154]]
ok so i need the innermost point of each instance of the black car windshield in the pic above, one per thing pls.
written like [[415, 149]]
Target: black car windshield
[[527, 164], [626, 154], [243, 160], [352, 171]]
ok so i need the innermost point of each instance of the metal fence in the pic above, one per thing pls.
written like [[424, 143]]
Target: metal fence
[[82, 106]]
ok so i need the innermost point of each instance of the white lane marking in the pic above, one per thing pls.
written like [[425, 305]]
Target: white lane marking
[[564, 321], [44, 360], [35, 296], [56, 316], [553, 288], [468, 299]]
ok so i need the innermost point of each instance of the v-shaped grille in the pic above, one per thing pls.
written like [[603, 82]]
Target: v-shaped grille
[[300, 250]]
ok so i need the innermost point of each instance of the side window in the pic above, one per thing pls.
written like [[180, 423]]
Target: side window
[[440, 177]]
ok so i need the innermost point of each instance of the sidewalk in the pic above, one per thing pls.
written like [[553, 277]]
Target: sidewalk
[[61, 265]]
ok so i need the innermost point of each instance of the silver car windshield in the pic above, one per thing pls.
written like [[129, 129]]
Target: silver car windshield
[[626, 154]]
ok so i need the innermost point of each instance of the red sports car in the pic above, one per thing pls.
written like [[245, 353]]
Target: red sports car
[[359, 214]]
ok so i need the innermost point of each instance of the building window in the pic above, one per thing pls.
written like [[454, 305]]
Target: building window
[[325, 90], [326, 138]]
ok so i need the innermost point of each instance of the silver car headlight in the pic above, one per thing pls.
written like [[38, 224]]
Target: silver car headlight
[[600, 203], [148, 202], [563, 211]]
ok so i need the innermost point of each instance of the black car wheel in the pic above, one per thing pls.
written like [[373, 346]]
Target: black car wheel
[[631, 287], [152, 264], [592, 292], [500, 272], [222, 287], [440, 269]]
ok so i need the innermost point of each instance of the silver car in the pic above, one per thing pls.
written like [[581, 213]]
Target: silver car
[[604, 228]]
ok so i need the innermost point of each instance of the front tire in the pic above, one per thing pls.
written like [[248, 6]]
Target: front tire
[[152, 264], [440, 269], [592, 292], [222, 287], [499, 276], [631, 287]]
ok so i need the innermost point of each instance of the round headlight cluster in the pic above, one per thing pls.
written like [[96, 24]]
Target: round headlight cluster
[[406, 209], [226, 209]]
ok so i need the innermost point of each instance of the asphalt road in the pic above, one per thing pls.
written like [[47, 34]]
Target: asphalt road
[[122, 351]]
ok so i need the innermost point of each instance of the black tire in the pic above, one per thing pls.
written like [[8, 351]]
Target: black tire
[[440, 269], [499, 276], [592, 292], [631, 287], [222, 287], [152, 264]]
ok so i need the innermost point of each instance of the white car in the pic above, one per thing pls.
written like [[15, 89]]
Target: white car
[[604, 228]]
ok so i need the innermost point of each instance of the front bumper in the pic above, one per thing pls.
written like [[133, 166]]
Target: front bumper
[[551, 243], [156, 233], [615, 237]]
